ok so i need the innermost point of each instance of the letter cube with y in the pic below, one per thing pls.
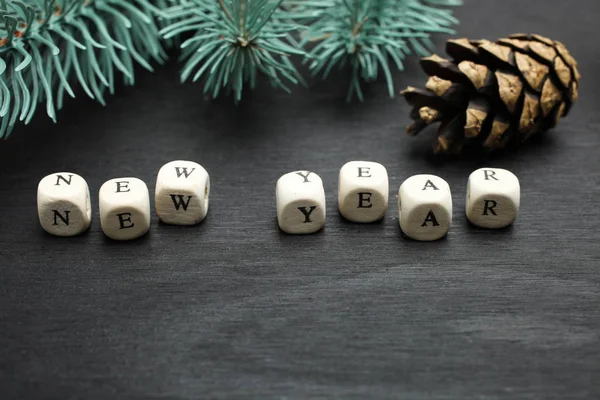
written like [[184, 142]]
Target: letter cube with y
[[124, 208], [425, 207], [300, 199], [363, 191], [182, 191], [493, 197], [63, 201]]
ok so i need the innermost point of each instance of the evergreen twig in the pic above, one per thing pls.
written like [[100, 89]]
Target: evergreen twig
[[232, 41], [371, 36], [47, 46]]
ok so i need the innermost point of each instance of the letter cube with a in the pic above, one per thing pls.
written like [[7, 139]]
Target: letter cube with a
[[300, 199], [493, 197], [425, 207], [124, 208], [182, 191], [363, 191], [63, 202]]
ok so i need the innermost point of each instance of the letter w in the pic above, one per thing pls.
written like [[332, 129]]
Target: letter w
[[185, 171], [179, 202]]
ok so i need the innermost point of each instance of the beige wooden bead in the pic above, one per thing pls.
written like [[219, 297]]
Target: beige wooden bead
[[63, 203], [363, 191], [124, 208], [425, 207], [493, 197], [182, 193], [300, 200]]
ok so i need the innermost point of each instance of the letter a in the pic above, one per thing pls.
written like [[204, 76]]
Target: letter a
[[430, 218], [430, 184]]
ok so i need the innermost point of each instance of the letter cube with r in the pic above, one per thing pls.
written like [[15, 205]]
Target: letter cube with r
[[63, 201], [300, 200], [363, 191], [182, 192], [493, 197], [124, 205], [425, 207]]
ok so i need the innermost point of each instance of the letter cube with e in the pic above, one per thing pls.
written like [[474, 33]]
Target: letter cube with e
[[493, 197], [63, 201], [300, 199], [182, 191], [425, 207], [363, 191], [124, 208]]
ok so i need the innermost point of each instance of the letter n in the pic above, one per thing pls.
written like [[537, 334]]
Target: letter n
[[64, 219]]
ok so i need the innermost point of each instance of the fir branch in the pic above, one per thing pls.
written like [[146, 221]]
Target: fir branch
[[371, 36], [48, 46], [232, 41]]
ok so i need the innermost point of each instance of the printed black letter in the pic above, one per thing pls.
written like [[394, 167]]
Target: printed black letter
[[185, 171], [362, 200], [59, 177], [429, 184], [307, 213], [304, 176], [364, 170], [489, 206], [123, 220], [490, 175], [180, 203], [65, 220], [430, 218], [119, 187]]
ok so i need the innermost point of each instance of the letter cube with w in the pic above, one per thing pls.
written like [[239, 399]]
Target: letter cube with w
[[182, 191], [425, 207], [124, 208], [63, 201], [300, 199]]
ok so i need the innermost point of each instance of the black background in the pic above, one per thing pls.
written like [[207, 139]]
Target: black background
[[234, 308]]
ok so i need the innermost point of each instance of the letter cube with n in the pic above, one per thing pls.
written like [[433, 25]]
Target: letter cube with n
[[300, 199], [63, 201], [363, 191], [425, 207], [182, 191], [493, 197], [124, 208]]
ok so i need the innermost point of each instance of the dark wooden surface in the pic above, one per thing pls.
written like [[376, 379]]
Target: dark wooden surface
[[233, 308]]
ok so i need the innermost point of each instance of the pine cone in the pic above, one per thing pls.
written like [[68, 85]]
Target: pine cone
[[492, 94]]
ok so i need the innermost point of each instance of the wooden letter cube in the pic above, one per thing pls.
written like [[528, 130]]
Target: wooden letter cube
[[493, 197], [124, 208], [182, 191], [300, 199], [425, 207], [63, 202], [363, 191]]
